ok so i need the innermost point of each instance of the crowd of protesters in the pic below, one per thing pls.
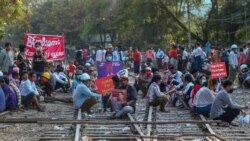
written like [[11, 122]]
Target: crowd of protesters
[[177, 77]]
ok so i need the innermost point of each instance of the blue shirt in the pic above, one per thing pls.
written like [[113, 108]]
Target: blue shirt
[[2, 100], [74, 85], [27, 87], [83, 93]]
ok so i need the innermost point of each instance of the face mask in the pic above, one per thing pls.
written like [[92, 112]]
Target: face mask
[[109, 58], [203, 81], [231, 91]]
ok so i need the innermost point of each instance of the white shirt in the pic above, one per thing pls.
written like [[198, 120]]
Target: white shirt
[[184, 55], [160, 54], [198, 52], [99, 55], [233, 59]]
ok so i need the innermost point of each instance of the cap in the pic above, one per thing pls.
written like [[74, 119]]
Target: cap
[[85, 76], [124, 78], [87, 64], [234, 46], [148, 68]]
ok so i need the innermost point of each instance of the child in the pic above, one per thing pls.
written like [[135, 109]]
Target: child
[[71, 69]]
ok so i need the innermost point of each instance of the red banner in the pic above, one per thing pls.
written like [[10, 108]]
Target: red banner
[[105, 85], [52, 46], [218, 70]]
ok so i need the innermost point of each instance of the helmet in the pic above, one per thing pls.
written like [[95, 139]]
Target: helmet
[[79, 72], [149, 69], [234, 46], [46, 75], [85, 76], [87, 64]]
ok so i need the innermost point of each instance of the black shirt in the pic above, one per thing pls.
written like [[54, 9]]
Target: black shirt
[[131, 94], [38, 63], [23, 64]]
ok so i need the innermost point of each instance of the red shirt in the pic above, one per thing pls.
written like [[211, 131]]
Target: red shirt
[[173, 53], [195, 90], [136, 56], [72, 68]]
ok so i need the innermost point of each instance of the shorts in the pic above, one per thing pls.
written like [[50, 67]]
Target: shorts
[[26, 100]]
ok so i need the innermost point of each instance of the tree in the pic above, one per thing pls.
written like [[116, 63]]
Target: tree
[[12, 11]]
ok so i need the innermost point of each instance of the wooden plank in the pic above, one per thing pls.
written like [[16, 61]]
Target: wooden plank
[[79, 117], [210, 129], [138, 129], [149, 126], [207, 125]]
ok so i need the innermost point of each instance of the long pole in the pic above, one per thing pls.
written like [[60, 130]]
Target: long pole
[[245, 19], [189, 26]]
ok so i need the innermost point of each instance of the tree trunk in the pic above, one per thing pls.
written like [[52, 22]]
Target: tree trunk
[[169, 13]]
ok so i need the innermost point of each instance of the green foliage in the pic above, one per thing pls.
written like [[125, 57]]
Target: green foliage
[[11, 12]]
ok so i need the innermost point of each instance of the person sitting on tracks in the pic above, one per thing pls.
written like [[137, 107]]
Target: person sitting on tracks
[[10, 95], [144, 81], [45, 85], [205, 97], [2, 97], [61, 80], [83, 97], [29, 91], [123, 108], [228, 114], [155, 96], [175, 77], [185, 96]]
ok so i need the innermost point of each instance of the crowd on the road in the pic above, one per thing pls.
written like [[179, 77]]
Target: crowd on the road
[[177, 77]]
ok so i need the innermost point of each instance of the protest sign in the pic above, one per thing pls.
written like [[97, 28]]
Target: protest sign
[[108, 68], [105, 85], [52, 46], [218, 70], [119, 95]]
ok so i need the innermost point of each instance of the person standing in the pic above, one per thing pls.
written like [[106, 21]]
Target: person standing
[[233, 62], [173, 55], [7, 59], [159, 57], [150, 56], [21, 61], [136, 61], [184, 58], [39, 61], [116, 56], [198, 55], [99, 54]]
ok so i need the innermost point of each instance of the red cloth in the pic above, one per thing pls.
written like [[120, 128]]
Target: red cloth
[[242, 59], [195, 90], [136, 56], [72, 68], [173, 53]]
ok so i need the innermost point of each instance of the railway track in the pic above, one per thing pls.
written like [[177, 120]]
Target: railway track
[[140, 129]]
